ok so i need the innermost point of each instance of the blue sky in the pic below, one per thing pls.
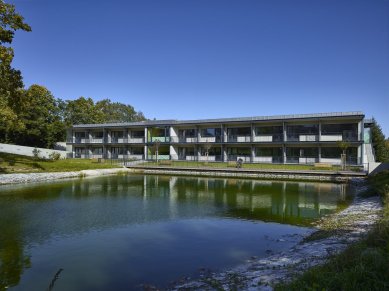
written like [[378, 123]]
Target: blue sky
[[207, 59]]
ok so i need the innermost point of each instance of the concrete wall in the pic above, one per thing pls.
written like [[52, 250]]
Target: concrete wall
[[27, 151], [375, 168]]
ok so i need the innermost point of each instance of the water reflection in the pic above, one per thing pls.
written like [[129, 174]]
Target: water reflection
[[31, 215]]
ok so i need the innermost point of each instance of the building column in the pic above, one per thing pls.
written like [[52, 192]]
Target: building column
[[224, 133], [284, 154], [252, 132], [319, 130], [145, 154], [225, 157], [252, 153], [284, 131], [359, 154], [319, 153]]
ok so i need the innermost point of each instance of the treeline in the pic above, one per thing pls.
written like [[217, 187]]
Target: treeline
[[33, 116]]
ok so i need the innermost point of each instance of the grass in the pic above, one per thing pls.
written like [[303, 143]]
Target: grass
[[196, 164], [10, 163], [362, 266]]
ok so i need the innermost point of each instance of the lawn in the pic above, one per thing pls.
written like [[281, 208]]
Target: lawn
[[10, 163], [362, 266], [196, 164]]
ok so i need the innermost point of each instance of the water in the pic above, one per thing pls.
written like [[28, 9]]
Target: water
[[118, 232]]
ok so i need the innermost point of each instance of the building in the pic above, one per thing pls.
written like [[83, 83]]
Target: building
[[300, 139]]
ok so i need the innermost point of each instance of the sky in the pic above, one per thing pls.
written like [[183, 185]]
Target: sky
[[194, 59]]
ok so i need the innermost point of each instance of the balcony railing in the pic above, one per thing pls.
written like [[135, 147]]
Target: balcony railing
[[160, 157], [211, 139], [245, 158], [268, 138], [268, 159], [159, 139], [239, 138], [183, 139]]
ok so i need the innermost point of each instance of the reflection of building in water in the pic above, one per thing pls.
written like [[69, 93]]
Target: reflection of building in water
[[265, 200]]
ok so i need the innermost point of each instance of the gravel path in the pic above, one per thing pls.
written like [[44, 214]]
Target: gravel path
[[260, 274], [40, 177]]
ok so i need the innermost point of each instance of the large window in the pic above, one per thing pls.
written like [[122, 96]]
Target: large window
[[331, 153], [97, 134], [268, 152], [97, 151], [239, 151], [239, 131], [137, 151], [137, 133], [213, 151], [210, 132], [306, 152], [268, 130]]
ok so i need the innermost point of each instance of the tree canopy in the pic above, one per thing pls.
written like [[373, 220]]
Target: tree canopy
[[380, 145]]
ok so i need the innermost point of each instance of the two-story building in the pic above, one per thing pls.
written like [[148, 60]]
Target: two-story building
[[297, 139]]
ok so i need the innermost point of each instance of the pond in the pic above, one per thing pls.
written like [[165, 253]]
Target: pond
[[119, 232]]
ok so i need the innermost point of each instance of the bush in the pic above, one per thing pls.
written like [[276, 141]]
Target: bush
[[55, 156], [36, 153]]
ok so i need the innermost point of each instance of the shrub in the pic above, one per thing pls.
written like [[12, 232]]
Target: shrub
[[55, 156], [36, 153]]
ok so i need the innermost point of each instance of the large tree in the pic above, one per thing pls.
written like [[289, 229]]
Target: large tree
[[41, 114], [381, 148], [85, 111], [10, 79], [117, 112]]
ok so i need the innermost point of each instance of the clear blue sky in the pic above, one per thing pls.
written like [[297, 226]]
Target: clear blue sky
[[206, 59]]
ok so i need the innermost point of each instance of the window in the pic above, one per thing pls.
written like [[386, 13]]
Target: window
[[98, 134], [97, 151], [137, 133], [268, 152], [137, 151]]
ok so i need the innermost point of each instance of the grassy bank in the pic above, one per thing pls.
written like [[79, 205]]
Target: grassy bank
[[10, 163], [202, 164], [362, 266]]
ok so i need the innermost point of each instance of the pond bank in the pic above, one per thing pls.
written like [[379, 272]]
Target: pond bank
[[41, 177], [331, 235], [306, 175]]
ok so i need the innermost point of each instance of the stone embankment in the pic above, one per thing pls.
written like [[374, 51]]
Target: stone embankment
[[307, 175], [41, 177], [330, 236]]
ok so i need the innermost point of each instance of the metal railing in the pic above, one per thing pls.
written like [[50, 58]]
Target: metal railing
[[239, 138]]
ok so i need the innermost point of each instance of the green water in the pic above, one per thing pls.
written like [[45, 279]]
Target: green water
[[119, 232]]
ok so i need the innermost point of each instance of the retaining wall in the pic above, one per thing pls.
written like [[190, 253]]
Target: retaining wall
[[27, 151], [256, 174]]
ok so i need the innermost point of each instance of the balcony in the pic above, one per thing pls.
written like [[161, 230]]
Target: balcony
[[136, 140], [239, 138], [268, 138], [303, 137], [301, 160], [234, 158], [339, 136], [183, 139], [118, 140], [159, 139], [210, 139], [268, 159]]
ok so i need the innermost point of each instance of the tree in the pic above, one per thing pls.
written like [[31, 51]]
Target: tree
[[10, 79], [41, 114], [85, 111], [81, 111], [380, 146], [343, 145], [117, 112]]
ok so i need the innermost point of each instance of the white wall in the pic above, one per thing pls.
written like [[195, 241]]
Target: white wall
[[27, 151]]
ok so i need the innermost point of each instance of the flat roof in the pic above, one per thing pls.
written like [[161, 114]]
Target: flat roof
[[358, 114]]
